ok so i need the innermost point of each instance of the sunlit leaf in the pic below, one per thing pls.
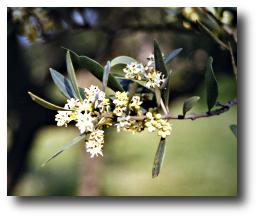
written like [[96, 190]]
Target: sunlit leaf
[[159, 156], [96, 69], [171, 55], [211, 85], [119, 63], [45, 103], [63, 148], [122, 60], [189, 103], [72, 75], [159, 62], [106, 75], [234, 129], [63, 84]]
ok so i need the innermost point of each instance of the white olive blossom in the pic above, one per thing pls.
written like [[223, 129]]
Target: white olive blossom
[[134, 70], [95, 143], [154, 122]]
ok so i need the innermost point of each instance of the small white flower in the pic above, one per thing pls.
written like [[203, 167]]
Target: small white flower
[[154, 78], [73, 103], [85, 122], [134, 70], [64, 117], [122, 123], [95, 143], [150, 60]]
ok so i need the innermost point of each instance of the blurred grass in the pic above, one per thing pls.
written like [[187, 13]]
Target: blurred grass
[[201, 158]]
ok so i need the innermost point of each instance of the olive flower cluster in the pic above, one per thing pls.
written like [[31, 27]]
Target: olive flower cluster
[[155, 122], [96, 112], [147, 72]]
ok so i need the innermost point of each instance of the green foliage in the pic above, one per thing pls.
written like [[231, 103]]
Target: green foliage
[[119, 63], [122, 60], [158, 58], [72, 75], [189, 103], [166, 91], [63, 148], [106, 75], [45, 103], [96, 69], [158, 159], [63, 84], [211, 85], [234, 129], [172, 55]]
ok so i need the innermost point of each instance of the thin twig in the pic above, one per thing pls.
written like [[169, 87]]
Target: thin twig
[[212, 35], [225, 107]]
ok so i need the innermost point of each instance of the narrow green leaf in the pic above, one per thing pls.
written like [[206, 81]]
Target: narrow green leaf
[[211, 85], [63, 84], [159, 62], [106, 75], [234, 129], [96, 69], [122, 60], [72, 75], [171, 55], [45, 103], [189, 103], [63, 148], [166, 91], [159, 156]]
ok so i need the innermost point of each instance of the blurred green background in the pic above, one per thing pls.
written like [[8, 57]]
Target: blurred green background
[[201, 155]]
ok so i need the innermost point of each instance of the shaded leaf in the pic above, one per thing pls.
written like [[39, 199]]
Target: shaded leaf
[[189, 103], [105, 75], [63, 84], [158, 59], [45, 103], [142, 83], [96, 69], [159, 156], [171, 55], [166, 91], [122, 60], [63, 148], [211, 85], [72, 75], [234, 129]]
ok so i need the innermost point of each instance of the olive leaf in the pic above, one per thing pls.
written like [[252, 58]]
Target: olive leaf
[[63, 148], [211, 85], [72, 75], [122, 60], [166, 91], [189, 103], [62, 83], [96, 69], [158, 59], [171, 55], [234, 129], [158, 159], [45, 103], [105, 75]]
